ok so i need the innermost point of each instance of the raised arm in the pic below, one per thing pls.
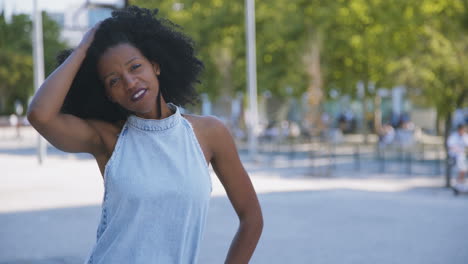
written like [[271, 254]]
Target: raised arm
[[239, 188], [66, 132]]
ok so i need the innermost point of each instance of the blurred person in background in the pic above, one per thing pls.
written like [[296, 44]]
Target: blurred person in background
[[386, 135], [457, 144], [117, 97]]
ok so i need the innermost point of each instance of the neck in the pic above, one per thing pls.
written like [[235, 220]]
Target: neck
[[165, 112]]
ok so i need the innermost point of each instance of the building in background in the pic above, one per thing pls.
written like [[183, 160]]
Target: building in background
[[78, 18]]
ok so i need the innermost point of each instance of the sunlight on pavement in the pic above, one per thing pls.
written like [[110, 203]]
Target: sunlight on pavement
[[70, 182]]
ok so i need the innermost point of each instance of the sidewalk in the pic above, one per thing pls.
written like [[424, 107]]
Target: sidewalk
[[49, 213]]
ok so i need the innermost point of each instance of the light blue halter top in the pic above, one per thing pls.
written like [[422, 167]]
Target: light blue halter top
[[157, 192]]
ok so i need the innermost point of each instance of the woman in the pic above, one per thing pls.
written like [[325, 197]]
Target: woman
[[115, 96]]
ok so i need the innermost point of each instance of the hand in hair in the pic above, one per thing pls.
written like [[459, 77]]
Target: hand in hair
[[88, 38]]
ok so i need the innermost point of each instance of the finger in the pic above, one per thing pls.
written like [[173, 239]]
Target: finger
[[96, 26]]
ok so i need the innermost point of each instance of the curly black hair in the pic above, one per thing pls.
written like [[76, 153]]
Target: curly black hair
[[158, 39]]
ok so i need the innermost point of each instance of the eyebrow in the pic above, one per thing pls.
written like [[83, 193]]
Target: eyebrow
[[128, 62], [132, 59]]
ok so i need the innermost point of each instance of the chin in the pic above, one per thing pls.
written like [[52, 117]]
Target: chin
[[143, 107]]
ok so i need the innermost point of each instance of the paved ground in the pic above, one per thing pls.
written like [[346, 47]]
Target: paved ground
[[49, 213]]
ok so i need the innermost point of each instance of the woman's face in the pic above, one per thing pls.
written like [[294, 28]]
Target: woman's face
[[130, 79]]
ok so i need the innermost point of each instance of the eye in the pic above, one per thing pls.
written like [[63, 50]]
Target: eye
[[135, 66], [113, 81]]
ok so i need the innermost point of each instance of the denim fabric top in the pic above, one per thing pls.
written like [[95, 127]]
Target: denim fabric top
[[157, 192]]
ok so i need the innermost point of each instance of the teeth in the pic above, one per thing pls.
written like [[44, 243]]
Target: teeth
[[138, 94]]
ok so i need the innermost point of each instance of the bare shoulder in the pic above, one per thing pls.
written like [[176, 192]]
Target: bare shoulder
[[212, 134], [206, 125]]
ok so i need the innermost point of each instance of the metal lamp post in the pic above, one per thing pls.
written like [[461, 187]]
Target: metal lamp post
[[38, 55], [251, 77]]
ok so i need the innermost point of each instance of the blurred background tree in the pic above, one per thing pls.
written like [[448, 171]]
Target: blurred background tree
[[16, 64], [305, 48], [435, 68], [352, 47]]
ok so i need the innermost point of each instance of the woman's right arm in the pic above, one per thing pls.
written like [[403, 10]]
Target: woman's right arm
[[66, 132]]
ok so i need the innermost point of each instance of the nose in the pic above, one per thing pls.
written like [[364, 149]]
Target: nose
[[130, 81]]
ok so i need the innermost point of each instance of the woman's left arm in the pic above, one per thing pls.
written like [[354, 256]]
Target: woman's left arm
[[228, 167]]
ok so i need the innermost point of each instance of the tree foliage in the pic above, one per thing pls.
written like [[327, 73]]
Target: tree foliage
[[16, 62], [436, 68], [421, 44]]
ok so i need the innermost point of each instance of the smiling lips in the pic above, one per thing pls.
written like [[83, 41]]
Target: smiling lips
[[138, 94]]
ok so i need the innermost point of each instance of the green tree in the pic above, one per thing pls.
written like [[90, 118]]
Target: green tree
[[16, 61], [16, 67], [436, 69], [364, 38], [324, 45]]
